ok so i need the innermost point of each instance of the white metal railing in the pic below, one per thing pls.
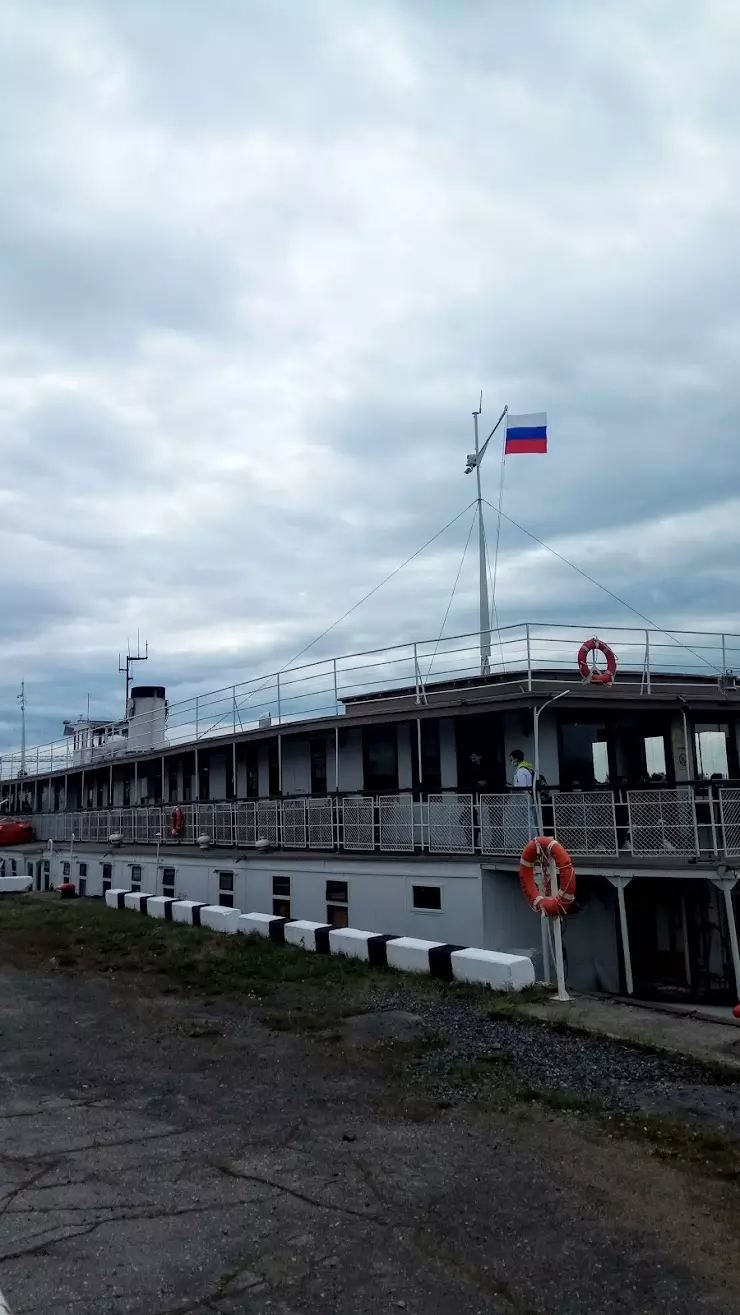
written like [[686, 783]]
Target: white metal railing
[[525, 653], [684, 822]]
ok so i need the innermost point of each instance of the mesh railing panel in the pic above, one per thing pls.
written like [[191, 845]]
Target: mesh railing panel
[[396, 823], [246, 823], [321, 823], [450, 826], [294, 823], [268, 822], [204, 820], [585, 822], [729, 808], [358, 823], [662, 821], [223, 824], [507, 822]]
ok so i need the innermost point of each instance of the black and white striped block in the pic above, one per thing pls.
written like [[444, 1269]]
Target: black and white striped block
[[220, 919], [367, 945], [308, 935], [187, 911], [114, 898], [134, 899], [263, 924], [160, 906]]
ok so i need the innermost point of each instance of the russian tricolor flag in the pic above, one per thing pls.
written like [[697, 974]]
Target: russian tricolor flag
[[526, 433]]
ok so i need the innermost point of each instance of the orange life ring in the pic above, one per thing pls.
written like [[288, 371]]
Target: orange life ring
[[176, 823], [562, 876], [597, 677]]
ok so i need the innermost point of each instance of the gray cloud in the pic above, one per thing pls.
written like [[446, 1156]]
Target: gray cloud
[[255, 265]]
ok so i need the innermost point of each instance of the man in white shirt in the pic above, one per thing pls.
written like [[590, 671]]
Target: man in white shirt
[[523, 771]]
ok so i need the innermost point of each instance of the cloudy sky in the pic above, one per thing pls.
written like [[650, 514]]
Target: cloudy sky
[[256, 261]]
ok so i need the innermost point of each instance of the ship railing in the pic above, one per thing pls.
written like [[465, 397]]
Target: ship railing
[[687, 821], [532, 656]]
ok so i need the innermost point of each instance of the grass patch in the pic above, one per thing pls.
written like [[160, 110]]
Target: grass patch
[[86, 936]]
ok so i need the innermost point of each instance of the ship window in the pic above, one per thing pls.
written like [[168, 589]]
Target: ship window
[[226, 889], [107, 876], [337, 903], [428, 898], [712, 755], [655, 762], [65, 869], [317, 753], [168, 882], [135, 876], [380, 758], [584, 754], [83, 869], [281, 897]]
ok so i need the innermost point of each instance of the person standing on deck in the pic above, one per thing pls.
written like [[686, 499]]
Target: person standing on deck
[[520, 819]]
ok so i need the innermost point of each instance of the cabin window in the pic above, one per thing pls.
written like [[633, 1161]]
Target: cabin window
[[655, 759], [226, 889], [82, 869], [135, 876], [253, 771], [584, 755], [337, 903], [380, 759], [281, 897], [273, 763], [65, 869], [317, 753], [427, 898], [168, 882], [107, 876], [713, 751]]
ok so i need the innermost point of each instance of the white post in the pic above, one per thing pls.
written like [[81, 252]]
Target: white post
[[545, 934], [726, 884], [685, 930], [278, 698], [336, 689], [336, 760], [620, 883], [647, 660], [485, 617], [280, 763], [561, 994], [529, 658]]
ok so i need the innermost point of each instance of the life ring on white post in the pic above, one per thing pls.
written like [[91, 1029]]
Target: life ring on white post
[[589, 672], [176, 823]]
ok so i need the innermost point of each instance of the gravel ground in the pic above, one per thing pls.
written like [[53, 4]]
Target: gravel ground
[[617, 1075]]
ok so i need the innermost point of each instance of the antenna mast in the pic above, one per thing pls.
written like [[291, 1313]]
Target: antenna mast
[[138, 656], [22, 700], [473, 463]]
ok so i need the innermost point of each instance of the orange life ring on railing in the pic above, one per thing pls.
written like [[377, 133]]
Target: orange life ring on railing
[[176, 823], [597, 677], [562, 876]]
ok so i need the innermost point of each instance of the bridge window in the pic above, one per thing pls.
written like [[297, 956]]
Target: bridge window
[[427, 899]]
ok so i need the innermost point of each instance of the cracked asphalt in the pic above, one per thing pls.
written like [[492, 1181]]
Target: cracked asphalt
[[163, 1154]]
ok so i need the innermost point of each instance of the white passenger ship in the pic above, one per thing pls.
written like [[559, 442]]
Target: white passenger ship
[[374, 789]]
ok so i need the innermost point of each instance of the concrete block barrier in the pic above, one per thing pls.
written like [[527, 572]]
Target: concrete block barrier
[[263, 924], [502, 972], [188, 911], [134, 899], [160, 906], [114, 898], [308, 935], [355, 944], [409, 954], [9, 885], [220, 919]]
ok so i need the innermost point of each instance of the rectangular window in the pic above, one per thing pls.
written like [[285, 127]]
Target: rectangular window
[[337, 903], [274, 767], [713, 754], [584, 755], [135, 876], [336, 892], [83, 869], [107, 876], [317, 754], [253, 772], [655, 763], [65, 869], [428, 898], [226, 889], [168, 882], [226, 880], [281, 897], [380, 759]]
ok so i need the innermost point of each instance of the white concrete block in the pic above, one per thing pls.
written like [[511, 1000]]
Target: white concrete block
[[136, 899], [158, 906], [410, 954], [10, 884], [303, 933], [259, 923], [350, 941], [187, 910], [502, 972], [220, 919], [114, 898]]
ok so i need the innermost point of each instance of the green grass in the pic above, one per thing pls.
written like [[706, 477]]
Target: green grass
[[86, 936]]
